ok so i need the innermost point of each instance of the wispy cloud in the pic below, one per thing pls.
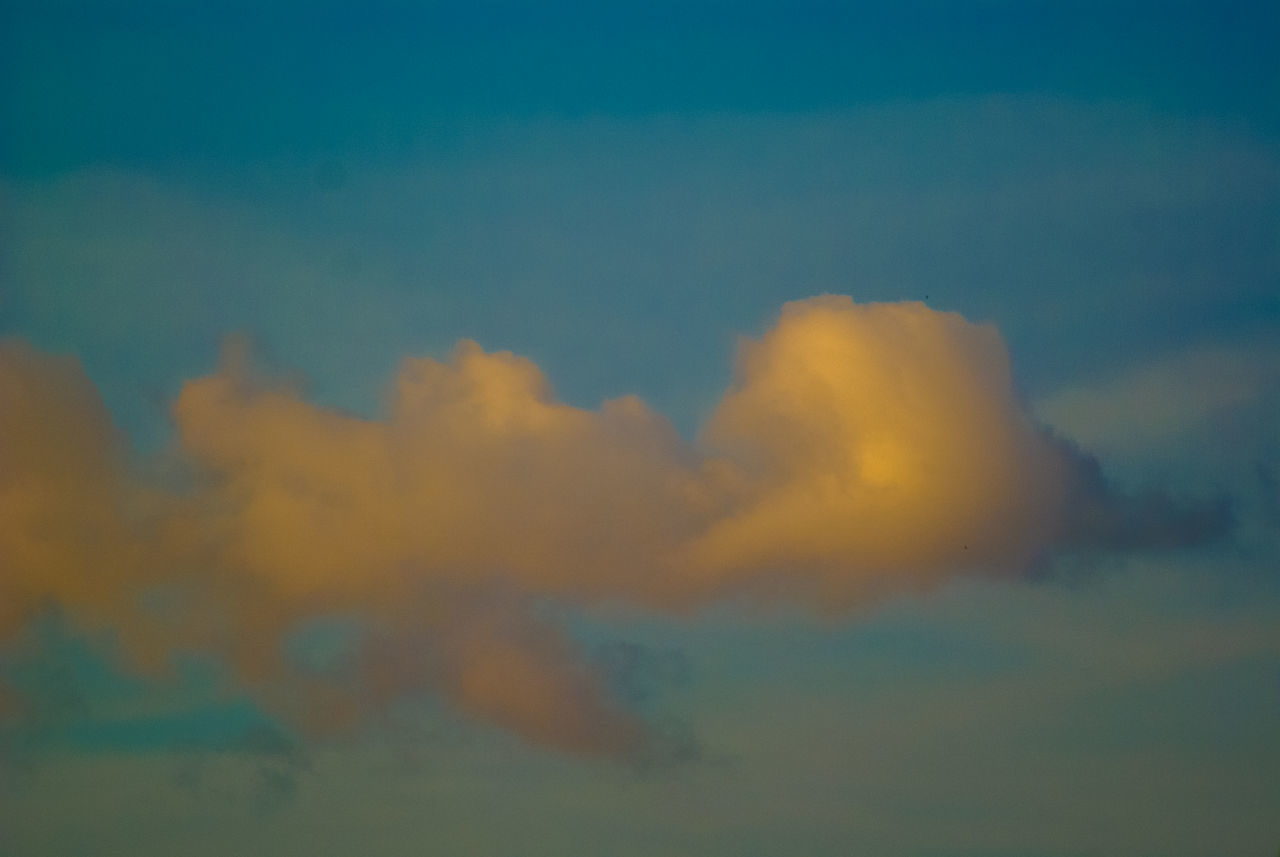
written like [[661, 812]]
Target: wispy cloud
[[1154, 407]]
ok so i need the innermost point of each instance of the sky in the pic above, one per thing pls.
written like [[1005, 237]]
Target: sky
[[702, 428]]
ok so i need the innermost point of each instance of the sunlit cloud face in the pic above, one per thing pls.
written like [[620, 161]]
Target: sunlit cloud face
[[863, 450], [882, 445], [66, 534], [477, 476]]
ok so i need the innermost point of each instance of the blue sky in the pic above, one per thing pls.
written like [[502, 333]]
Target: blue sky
[[620, 195]]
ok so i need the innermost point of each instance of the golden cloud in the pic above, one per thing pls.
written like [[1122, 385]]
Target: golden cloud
[[862, 450]]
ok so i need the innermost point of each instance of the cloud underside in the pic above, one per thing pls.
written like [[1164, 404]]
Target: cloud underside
[[862, 451]]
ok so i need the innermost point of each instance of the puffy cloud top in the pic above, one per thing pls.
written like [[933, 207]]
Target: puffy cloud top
[[882, 444]]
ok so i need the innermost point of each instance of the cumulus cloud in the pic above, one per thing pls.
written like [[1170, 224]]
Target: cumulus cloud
[[475, 475], [70, 531], [881, 445], [862, 450]]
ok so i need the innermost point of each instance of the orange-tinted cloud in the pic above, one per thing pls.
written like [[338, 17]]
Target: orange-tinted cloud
[[476, 475], [69, 517], [862, 450], [881, 446]]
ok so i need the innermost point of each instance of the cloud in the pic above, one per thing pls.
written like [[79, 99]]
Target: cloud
[[1212, 409], [881, 445], [701, 226], [862, 451], [1155, 406], [68, 508], [476, 474]]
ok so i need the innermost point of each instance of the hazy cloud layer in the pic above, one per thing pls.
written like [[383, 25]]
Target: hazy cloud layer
[[1112, 714], [623, 253], [862, 451], [1153, 409]]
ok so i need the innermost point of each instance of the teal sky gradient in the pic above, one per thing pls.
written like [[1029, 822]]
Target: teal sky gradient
[[619, 193]]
